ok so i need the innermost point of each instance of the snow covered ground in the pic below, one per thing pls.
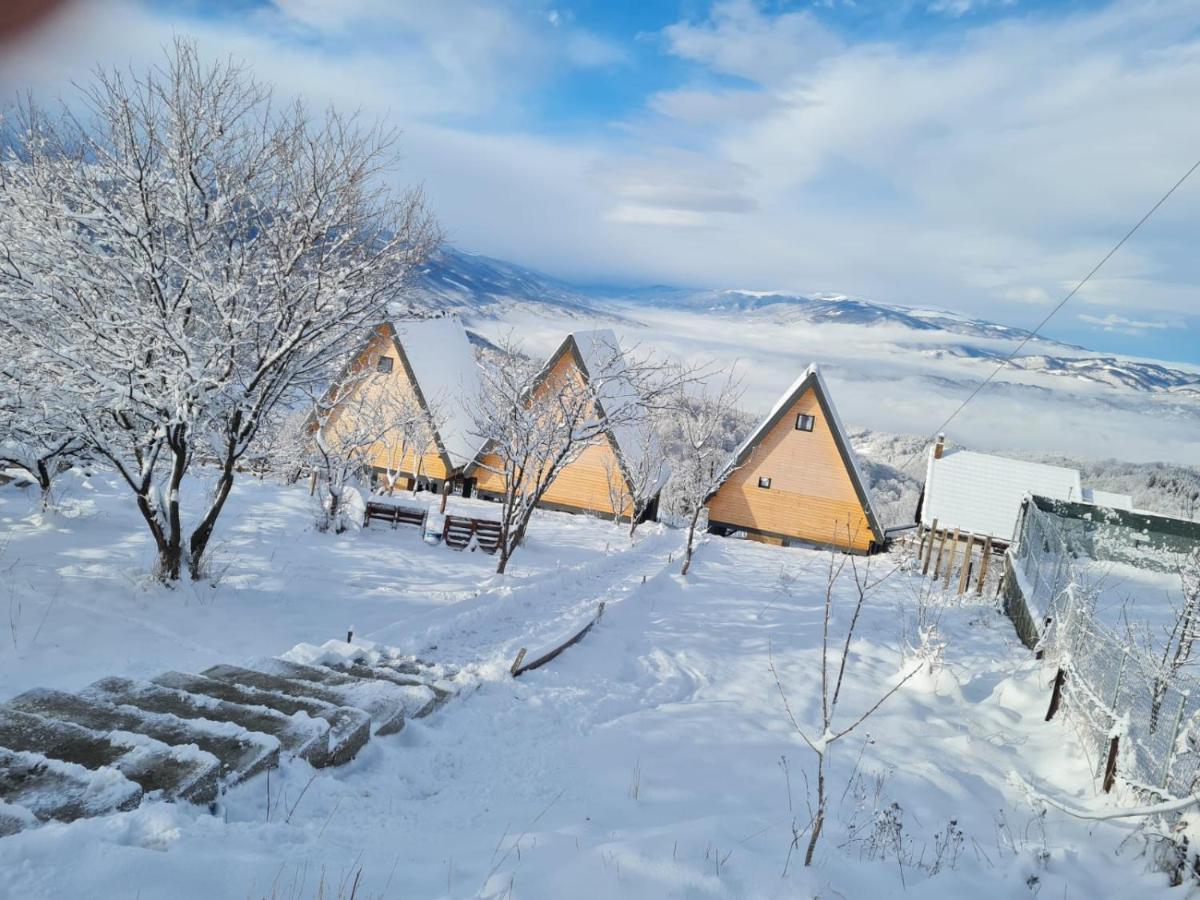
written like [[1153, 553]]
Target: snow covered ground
[[654, 759]]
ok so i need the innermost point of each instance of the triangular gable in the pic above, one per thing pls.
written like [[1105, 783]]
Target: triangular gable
[[810, 380], [582, 346], [448, 438]]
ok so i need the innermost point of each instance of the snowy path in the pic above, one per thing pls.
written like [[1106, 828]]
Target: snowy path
[[644, 762]]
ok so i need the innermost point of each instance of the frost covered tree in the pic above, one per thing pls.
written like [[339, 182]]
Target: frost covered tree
[[700, 452], [820, 737], [38, 435], [346, 427], [533, 422], [186, 255]]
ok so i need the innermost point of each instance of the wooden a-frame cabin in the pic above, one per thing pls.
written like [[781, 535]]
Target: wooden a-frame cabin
[[795, 479], [597, 481], [417, 364]]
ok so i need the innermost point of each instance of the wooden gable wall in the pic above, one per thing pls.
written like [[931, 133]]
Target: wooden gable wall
[[381, 389], [811, 497], [582, 484]]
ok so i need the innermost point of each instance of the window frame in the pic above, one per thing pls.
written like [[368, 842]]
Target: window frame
[[762, 479], [805, 419], [381, 368]]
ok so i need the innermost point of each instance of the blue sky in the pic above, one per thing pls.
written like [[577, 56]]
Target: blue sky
[[978, 155]]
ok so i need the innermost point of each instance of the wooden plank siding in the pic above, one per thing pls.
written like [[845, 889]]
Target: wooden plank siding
[[583, 485], [382, 388], [811, 498]]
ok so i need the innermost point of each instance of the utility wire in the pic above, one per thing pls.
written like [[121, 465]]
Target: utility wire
[[1050, 315]]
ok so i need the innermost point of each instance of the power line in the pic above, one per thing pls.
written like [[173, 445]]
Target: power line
[[1050, 315]]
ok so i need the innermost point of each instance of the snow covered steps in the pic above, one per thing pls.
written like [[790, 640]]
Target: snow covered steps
[[187, 737]]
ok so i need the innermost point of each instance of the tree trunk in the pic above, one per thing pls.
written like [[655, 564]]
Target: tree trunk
[[691, 538], [198, 544], [43, 480], [819, 820]]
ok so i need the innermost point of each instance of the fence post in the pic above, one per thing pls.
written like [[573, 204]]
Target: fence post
[[1120, 677], [1110, 767], [1166, 773], [1056, 697]]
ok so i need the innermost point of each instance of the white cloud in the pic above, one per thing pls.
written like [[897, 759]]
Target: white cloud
[[987, 170], [738, 38], [1121, 325]]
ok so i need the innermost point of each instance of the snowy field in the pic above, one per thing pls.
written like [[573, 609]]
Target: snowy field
[[654, 759]]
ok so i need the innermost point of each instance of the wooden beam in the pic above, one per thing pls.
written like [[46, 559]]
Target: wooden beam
[[941, 549], [950, 561], [983, 568], [965, 574], [929, 549]]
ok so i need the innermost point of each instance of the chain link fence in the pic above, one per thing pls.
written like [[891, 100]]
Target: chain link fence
[[1126, 710]]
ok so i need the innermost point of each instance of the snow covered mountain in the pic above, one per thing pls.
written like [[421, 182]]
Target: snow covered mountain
[[472, 284], [481, 287]]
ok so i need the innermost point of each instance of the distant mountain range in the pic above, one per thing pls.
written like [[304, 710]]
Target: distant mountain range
[[479, 286]]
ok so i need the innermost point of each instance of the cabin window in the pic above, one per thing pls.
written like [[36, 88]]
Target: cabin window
[[384, 364], [764, 482], [805, 422]]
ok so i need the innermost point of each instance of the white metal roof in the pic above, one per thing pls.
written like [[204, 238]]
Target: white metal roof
[[635, 440], [1107, 498], [443, 363], [981, 494]]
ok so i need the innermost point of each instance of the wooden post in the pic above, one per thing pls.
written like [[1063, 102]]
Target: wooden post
[[929, 549], [941, 548], [312, 482], [445, 494], [1056, 695], [983, 568], [517, 662], [1110, 767], [965, 574], [950, 561]]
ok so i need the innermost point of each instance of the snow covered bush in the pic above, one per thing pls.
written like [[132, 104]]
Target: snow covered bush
[[187, 256]]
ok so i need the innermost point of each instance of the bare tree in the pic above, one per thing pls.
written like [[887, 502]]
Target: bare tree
[[535, 421], [347, 427], [645, 465], [188, 256], [831, 688], [1181, 640], [37, 434], [701, 452]]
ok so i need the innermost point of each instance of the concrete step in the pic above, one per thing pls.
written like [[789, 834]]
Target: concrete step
[[33, 786], [387, 704], [242, 754], [365, 673], [179, 773], [349, 729], [303, 737]]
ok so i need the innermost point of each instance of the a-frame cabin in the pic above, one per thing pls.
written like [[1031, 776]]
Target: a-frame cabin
[[416, 364], [598, 480], [795, 479]]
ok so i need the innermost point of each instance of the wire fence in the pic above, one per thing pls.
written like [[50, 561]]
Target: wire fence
[[1135, 722]]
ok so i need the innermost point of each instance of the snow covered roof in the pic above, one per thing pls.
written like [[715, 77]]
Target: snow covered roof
[[1107, 498], [600, 353], [981, 494], [442, 364], [812, 377]]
